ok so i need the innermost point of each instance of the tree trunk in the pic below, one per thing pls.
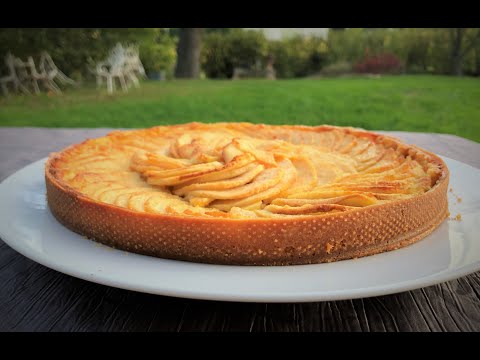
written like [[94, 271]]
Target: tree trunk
[[457, 55], [457, 65], [188, 53]]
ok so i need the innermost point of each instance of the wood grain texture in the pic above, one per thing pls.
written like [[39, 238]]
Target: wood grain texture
[[36, 298]]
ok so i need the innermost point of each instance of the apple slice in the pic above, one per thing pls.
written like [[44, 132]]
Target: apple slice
[[306, 175], [247, 146], [122, 199], [288, 177], [137, 201], [239, 165], [358, 200], [110, 196], [305, 209], [218, 175], [142, 161], [162, 203], [184, 171], [267, 179], [222, 184]]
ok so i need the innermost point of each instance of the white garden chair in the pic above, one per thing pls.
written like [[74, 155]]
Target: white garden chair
[[24, 74], [110, 69], [48, 68], [43, 76], [46, 74], [122, 64], [12, 64]]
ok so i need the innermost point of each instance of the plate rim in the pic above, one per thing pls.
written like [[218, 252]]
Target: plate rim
[[270, 297]]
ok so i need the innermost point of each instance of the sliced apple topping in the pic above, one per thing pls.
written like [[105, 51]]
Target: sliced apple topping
[[110, 196], [233, 182], [240, 170]]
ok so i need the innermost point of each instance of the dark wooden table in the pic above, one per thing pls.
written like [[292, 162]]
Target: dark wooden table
[[36, 298]]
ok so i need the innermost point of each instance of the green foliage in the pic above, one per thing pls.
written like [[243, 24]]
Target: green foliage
[[298, 56], [423, 50], [472, 61], [294, 57], [347, 45], [159, 54], [220, 30], [222, 51], [216, 60], [412, 46], [73, 49]]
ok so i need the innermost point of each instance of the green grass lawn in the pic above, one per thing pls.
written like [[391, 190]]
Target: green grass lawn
[[409, 103]]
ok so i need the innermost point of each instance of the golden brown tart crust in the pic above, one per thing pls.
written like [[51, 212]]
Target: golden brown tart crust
[[393, 194]]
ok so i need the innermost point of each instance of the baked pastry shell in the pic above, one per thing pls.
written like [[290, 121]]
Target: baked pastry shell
[[253, 241]]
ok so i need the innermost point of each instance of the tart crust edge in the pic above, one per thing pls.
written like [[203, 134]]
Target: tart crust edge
[[273, 241]]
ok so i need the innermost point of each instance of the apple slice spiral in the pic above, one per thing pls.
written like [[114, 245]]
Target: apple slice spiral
[[242, 170]]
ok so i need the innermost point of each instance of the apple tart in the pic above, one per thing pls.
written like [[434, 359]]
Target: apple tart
[[245, 194]]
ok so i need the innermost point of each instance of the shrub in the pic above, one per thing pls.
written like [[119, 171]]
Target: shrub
[[298, 56], [223, 51], [421, 50], [293, 57], [379, 64], [338, 68], [160, 53], [350, 44]]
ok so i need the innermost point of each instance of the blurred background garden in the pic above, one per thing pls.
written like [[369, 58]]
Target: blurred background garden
[[425, 80]]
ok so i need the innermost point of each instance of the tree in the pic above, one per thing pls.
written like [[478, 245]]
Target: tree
[[159, 53], [462, 41], [188, 53]]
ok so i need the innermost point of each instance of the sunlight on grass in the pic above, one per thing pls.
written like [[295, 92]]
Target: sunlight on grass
[[408, 103]]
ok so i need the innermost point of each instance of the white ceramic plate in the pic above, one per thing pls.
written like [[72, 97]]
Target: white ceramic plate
[[451, 251]]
